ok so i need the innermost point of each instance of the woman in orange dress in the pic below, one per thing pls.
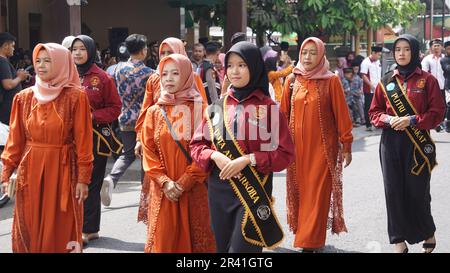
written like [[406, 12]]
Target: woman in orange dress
[[169, 46], [178, 216], [50, 146], [276, 78], [153, 88], [322, 132]]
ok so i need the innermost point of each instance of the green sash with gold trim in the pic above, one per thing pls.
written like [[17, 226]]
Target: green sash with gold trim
[[424, 147], [260, 225]]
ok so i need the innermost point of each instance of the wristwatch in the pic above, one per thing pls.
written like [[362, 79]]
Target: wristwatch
[[252, 160]]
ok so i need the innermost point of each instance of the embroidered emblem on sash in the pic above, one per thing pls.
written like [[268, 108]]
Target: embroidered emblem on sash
[[390, 87], [106, 132], [429, 149], [263, 212]]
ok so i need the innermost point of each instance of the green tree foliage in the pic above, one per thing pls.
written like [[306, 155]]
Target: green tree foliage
[[318, 17], [331, 17]]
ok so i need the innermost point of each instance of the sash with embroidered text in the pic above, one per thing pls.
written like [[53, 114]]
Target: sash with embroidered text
[[260, 225], [424, 147]]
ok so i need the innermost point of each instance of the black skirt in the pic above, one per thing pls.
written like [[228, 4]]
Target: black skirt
[[408, 198], [227, 212]]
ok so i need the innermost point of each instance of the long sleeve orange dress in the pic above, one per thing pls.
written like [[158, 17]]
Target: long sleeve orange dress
[[182, 226], [51, 147], [322, 129], [152, 93]]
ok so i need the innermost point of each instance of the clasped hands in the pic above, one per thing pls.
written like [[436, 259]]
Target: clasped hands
[[173, 190], [400, 123], [230, 168]]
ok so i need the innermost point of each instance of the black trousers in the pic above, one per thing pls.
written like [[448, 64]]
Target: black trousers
[[92, 205], [407, 195], [367, 101], [226, 212]]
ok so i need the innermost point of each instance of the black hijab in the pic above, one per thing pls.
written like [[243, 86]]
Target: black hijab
[[91, 51], [414, 44], [258, 76]]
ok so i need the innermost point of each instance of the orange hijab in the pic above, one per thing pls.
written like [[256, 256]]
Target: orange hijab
[[64, 73], [188, 90], [175, 44], [321, 71]]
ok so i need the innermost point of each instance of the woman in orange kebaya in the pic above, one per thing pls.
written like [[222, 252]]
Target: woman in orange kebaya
[[153, 89], [152, 93], [50, 146], [322, 132], [178, 216]]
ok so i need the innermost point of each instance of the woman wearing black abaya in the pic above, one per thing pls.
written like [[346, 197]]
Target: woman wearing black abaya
[[407, 104]]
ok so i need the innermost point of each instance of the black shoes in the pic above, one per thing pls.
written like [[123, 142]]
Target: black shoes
[[428, 247], [308, 250]]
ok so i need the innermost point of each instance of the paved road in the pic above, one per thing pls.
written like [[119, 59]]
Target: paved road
[[364, 206]]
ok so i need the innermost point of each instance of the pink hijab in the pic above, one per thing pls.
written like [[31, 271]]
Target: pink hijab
[[222, 71], [175, 44], [64, 73], [321, 71], [188, 91]]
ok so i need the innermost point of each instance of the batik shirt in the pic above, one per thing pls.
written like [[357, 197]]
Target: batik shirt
[[131, 78]]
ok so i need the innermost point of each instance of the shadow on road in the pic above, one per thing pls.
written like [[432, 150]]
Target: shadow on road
[[110, 209], [7, 211], [361, 145], [115, 244], [326, 249], [127, 186], [440, 141]]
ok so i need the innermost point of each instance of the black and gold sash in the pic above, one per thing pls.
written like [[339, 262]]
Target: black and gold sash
[[260, 225], [105, 141], [424, 147]]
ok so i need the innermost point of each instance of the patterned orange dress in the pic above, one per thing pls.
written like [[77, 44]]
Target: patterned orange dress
[[152, 93], [50, 145], [182, 226], [322, 130]]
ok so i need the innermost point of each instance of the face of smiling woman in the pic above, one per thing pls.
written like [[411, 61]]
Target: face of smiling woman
[[44, 65], [79, 52], [170, 78], [237, 71]]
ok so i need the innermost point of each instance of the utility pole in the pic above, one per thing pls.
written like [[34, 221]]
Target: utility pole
[[236, 19], [431, 19], [443, 20]]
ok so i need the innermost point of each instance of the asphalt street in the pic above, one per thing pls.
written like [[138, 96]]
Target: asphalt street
[[364, 206]]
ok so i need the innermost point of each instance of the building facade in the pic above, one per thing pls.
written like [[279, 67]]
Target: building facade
[[33, 21]]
